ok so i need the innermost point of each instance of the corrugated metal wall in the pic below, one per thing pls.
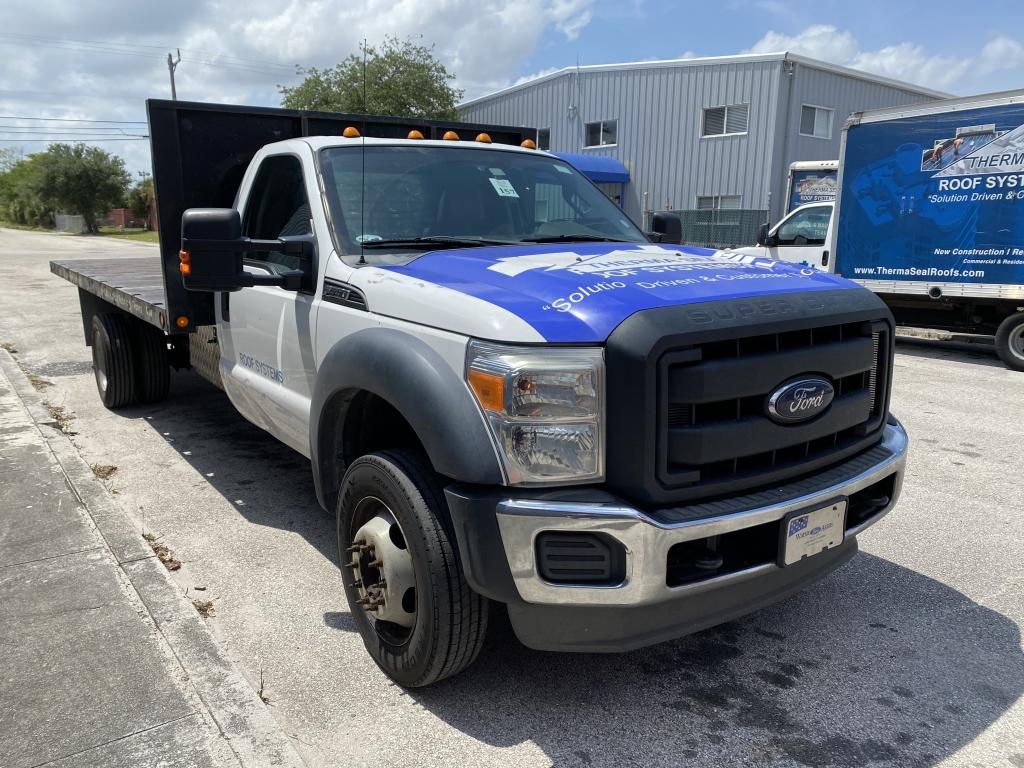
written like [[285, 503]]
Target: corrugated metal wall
[[659, 111]]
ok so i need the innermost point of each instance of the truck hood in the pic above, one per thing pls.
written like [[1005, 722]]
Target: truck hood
[[580, 292]]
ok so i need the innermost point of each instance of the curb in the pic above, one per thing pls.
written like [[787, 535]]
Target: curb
[[254, 736], [973, 339]]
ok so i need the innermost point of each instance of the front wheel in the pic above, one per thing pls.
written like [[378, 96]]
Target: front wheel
[[417, 616], [1010, 341]]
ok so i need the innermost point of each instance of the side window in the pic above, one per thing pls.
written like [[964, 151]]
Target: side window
[[277, 207], [808, 227]]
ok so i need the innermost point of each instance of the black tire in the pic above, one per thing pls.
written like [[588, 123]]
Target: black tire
[[152, 366], [113, 359], [451, 619], [1010, 341]]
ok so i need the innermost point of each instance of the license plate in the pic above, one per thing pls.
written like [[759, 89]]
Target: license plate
[[808, 533]]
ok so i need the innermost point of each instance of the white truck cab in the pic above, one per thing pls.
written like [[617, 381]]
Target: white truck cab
[[802, 237]]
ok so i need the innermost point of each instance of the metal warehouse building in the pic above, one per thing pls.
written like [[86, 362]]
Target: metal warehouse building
[[695, 135]]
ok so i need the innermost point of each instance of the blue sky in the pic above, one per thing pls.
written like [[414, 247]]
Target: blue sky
[[931, 40], [100, 59]]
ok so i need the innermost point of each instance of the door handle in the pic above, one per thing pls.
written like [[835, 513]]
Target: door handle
[[824, 258]]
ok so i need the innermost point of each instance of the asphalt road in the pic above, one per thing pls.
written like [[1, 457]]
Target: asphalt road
[[909, 655]]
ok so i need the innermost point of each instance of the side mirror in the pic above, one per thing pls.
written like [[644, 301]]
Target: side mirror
[[213, 249], [762, 234], [668, 226]]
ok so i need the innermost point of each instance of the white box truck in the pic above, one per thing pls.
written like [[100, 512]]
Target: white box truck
[[930, 216]]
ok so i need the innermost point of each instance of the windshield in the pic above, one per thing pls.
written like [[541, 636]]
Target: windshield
[[422, 198]]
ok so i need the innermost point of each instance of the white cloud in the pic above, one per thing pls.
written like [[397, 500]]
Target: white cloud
[[904, 61], [235, 56]]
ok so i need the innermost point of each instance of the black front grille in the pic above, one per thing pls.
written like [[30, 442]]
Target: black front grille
[[689, 387], [714, 428]]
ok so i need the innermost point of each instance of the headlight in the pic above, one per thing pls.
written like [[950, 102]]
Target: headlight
[[545, 408]]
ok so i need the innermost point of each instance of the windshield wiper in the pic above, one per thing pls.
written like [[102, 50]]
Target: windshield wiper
[[573, 238], [443, 241]]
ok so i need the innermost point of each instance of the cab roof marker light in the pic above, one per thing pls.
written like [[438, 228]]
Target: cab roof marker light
[[483, 138], [450, 136], [351, 132], [528, 144], [414, 134]]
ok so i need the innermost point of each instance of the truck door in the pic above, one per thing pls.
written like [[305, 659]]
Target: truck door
[[265, 332], [802, 237]]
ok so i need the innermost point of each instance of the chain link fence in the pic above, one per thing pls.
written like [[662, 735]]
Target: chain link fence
[[720, 228]]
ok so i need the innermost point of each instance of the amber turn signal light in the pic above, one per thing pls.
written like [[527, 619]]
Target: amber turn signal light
[[489, 389]]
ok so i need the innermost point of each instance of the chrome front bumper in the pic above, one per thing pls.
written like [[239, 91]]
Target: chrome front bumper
[[647, 541]]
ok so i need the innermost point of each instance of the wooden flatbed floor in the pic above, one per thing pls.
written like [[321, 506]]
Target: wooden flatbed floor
[[135, 284]]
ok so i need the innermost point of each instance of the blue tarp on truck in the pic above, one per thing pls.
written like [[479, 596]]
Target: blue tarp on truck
[[936, 197]]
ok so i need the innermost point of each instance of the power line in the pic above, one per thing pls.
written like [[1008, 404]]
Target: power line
[[80, 139], [57, 129], [73, 120]]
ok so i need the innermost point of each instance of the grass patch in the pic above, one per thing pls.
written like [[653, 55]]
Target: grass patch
[[25, 227], [62, 416], [163, 552], [204, 607], [38, 382], [103, 471], [141, 235]]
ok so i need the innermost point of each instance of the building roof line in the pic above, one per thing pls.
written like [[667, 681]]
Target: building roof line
[[741, 58]]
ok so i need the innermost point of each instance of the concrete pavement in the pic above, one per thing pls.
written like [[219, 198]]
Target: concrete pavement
[[908, 656], [104, 662]]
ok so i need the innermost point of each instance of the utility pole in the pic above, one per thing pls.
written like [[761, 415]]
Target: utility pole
[[172, 64]]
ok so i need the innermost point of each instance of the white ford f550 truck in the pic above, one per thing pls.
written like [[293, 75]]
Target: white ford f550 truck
[[508, 393]]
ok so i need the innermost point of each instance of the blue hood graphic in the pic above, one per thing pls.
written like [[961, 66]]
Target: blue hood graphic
[[580, 292]]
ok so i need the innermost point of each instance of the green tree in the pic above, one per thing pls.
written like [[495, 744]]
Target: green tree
[[402, 79], [23, 198], [83, 180], [140, 200]]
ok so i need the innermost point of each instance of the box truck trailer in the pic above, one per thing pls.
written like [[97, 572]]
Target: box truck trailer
[[929, 215]]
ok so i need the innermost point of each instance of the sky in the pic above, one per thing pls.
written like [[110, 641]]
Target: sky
[[100, 59]]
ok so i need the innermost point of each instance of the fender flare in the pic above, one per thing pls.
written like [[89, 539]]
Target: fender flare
[[414, 379]]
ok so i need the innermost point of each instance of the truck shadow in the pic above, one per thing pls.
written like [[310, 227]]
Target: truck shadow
[[876, 665]]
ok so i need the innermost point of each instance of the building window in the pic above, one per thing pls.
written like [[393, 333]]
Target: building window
[[725, 121], [544, 138], [718, 202], [602, 134], [816, 121]]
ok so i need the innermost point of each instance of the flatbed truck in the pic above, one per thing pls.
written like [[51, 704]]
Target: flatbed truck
[[511, 397]]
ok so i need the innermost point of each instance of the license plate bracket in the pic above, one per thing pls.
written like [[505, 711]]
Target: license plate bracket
[[808, 532]]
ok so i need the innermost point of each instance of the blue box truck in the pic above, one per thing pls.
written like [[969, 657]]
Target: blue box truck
[[930, 214]]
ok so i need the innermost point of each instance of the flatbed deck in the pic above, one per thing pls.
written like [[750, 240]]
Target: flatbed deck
[[134, 284]]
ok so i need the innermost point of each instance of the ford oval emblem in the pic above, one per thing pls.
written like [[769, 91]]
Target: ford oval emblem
[[800, 400]]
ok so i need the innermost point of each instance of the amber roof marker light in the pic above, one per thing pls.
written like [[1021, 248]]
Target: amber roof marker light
[[483, 138], [351, 132], [450, 136], [414, 134], [528, 144]]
